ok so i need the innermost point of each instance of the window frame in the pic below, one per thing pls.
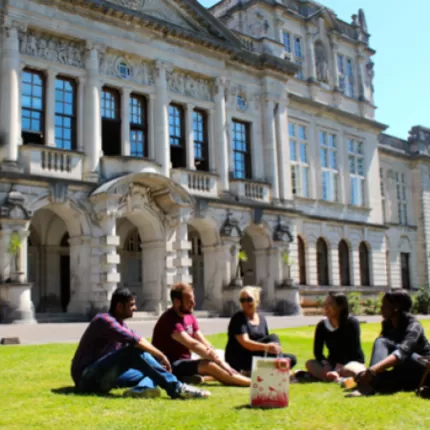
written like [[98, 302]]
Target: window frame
[[247, 156], [201, 163], [27, 133], [72, 117], [181, 116], [328, 172], [346, 76], [117, 98], [356, 178], [139, 127], [300, 169], [402, 199]]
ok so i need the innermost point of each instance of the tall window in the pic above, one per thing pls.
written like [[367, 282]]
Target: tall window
[[402, 202], [302, 260], [298, 56], [345, 70], [344, 266], [330, 173], [241, 150], [200, 141], [111, 122], [322, 262], [299, 159], [406, 275], [383, 201], [364, 265], [287, 42], [33, 107], [177, 136], [65, 113], [137, 126], [356, 172]]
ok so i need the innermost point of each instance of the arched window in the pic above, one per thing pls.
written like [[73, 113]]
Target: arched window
[[322, 262], [364, 265], [132, 263], [302, 260], [344, 267]]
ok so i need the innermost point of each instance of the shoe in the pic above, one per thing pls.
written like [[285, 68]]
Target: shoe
[[189, 392], [193, 380], [147, 393]]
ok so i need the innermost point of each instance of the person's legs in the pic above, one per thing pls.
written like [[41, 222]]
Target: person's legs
[[142, 385], [382, 348], [317, 370], [210, 368], [187, 371], [351, 369]]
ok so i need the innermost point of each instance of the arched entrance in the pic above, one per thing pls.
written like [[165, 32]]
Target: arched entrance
[[322, 262], [198, 267], [364, 265], [344, 266], [302, 260]]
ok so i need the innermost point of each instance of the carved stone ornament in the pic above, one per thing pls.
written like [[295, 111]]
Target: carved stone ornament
[[116, 66], [321, 63], [52, 48], [370, 74], [190, 86], [282, 233], [230, 228], [15, 207]]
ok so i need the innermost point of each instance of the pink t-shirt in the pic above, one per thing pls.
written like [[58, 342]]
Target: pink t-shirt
[[169, 323]]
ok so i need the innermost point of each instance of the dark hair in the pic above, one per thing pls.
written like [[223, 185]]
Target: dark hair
[[120, 295], [178, 290], [342, 303], [399, 299]]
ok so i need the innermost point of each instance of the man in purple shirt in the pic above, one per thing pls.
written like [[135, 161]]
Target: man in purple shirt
[[110, 355], [177, 334]]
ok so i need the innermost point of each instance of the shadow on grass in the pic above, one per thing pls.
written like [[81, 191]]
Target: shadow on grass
[[72, 391], [249, 407]]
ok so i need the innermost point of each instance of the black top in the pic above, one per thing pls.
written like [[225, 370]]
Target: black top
[[239, 324], [408, 336], [343, 343]]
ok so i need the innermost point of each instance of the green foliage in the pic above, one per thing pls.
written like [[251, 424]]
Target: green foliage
[[243, 257], [354, 300], [372, 305], [320, 301], [15, 243], [421, 301], [286, 259]]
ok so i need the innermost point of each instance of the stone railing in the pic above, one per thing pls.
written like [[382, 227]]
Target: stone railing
[[251, 190], [113, 166], [197, 182], [52, 162]]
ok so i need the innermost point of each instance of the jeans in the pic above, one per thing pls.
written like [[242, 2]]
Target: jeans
[[128, 367], [405, 376]]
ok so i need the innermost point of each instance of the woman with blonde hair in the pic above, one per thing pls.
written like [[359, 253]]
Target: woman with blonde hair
[[248, 335]]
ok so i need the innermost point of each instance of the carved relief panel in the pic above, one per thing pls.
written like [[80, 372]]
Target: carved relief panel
[[190, 86], [51, 48]]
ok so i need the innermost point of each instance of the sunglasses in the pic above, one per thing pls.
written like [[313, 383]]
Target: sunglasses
[[246, 300]]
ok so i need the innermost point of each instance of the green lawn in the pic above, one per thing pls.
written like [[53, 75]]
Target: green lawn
[[34, 395]]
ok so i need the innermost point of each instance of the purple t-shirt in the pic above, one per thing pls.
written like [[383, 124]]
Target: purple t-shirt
[[169, 323], [105, 334]]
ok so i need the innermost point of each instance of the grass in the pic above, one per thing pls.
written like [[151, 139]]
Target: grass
[[35, 394]]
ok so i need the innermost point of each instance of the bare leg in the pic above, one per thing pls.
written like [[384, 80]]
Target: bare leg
[[209, 368], [352, 369], [317, 370]]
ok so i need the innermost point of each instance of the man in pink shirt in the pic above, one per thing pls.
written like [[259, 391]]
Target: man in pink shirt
[[177, 335]]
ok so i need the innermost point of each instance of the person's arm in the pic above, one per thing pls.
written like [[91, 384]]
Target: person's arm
[[353, 349], [198, 335], [193, 345], [146, 346], [319, 340]]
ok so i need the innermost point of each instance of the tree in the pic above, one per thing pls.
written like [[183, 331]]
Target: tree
[[243, 258]]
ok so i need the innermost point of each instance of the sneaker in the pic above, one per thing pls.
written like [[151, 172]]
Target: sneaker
[[189, 392], [193, 380], [147, 393]]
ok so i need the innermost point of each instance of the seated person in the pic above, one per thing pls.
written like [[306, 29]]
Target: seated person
[[110, 355], [248, 335], [177, 334], [340, 333], [401, 342]]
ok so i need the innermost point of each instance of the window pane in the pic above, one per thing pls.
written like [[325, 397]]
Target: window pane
[[303, 153], [293, 155], [323, 138], [333, 161], [323, 155], [351, 163], [332, 141], [240, 149], [287, 41], [302, 132], [292, 130], [360, 166]]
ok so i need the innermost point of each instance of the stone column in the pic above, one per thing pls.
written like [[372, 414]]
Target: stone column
[[334, 266], [10, 96], [80, 274], [334, 71], [221, 134], [80, 114], [311, 263], [211, 140], [125, 122], [214, 264], [5, 267], [153, 276], [361, 73], [190, 137], [283, 151], [354, 266], [161, 112], [151, 127], [51, 76], [312, 73], [92, 116], [270, 149], [273, 260]]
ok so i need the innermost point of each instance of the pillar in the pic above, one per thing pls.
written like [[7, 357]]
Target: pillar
[[272, 257], [10, 91], [5, 267], [51, 76], [92, 116], [334, 71], [311, 263], [214, 260], [311, 55], [161, 124], [211, 140], [151, 127], [334, 266], [190, 137], [125, 122], [221, 134], [354, 265], [80, 118]]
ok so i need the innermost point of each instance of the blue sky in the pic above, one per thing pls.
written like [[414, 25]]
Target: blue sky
[[400, 33]]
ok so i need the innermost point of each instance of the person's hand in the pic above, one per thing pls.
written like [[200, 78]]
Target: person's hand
[[332, 376], [212, 355], [339, 368], [365, 378], [164, 361], [274, 348]]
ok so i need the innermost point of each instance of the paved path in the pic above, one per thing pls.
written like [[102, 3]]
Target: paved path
[[32, 334]]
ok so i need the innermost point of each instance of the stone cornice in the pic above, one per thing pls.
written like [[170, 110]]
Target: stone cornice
[[377, 126]]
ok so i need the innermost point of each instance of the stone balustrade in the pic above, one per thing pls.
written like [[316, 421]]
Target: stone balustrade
[[114, 166], [197, 182], [41, 160], [251, 190]]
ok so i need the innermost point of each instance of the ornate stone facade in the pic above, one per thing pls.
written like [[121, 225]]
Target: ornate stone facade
[[190, 86]]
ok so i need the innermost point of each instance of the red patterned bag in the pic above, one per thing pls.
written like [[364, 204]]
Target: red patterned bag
[[270, 382]]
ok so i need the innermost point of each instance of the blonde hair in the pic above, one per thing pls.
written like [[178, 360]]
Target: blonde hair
[[254, 292]]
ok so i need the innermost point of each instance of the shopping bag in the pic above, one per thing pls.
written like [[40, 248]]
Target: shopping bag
[[270, 383]]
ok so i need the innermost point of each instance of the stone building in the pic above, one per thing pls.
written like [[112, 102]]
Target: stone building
[[146, 142]]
